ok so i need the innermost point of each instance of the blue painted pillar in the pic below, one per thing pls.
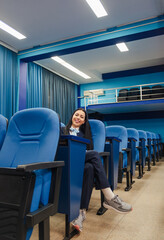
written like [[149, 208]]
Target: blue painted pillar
[[78, 94], [22, 85]]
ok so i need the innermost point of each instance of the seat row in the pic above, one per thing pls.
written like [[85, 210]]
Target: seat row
[[156, 91], [30, 179], [128, 148]]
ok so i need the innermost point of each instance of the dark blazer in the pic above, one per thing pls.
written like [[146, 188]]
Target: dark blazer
[[80, 134]]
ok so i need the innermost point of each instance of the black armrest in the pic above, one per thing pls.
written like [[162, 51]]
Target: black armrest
[[31, 167], [109, 139], [39, 215], [132, 139], [143, 139], [138, 147], [126, 149], [105, 156], [102, 154], [37, 166]]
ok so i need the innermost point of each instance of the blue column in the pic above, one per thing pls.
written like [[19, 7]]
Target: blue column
[[22, 85]]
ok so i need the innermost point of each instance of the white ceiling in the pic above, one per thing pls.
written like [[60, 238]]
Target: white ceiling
[[44, 22]]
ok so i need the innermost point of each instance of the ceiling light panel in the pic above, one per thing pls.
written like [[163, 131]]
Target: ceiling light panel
[[97, 8], [11, 30], [122, 47], [70, 67]]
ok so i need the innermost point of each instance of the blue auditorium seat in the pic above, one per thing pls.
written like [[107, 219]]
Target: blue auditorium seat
[[142, 144], [112, 146], [146, 92], [120, 133], [147, 160], [62, 124], [153, 141], [123, 95], [28, 196], [149, 149], [159, 145], [157, 91], [102, 136], [3, 129], [98, 137], [133, 138], [134, 94]]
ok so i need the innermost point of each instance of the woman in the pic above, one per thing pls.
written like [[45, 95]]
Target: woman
[[78, 125]]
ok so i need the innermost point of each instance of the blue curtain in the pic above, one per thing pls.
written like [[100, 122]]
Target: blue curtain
[[58, 94], [9, 83], [34, 86]]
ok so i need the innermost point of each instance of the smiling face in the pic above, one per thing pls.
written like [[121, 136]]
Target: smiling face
[[78, 118]]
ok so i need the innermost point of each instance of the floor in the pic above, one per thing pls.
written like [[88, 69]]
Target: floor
[[145, 222]]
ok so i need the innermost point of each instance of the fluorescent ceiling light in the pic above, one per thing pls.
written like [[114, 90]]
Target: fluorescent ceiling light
[[11, 30], [97, 7], [122, 47], [70, 67]]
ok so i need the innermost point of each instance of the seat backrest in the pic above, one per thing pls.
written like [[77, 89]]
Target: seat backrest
[[146, 92], [159, 142], [150, 139], [30, 137], [62, 124], [149, 136], [134, 94], [154, 138], [159, 136], [123, 92], [119, 132], [157, 91], [3, 129], [98, 134], [133, 133], [154, 142], [143, 142], [153, 135], [142, 134], [133, 91], [157, 88], [122, 95]]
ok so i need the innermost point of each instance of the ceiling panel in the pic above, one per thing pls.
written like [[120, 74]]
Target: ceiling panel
[[49, 21], [109, 59], [44, 22]]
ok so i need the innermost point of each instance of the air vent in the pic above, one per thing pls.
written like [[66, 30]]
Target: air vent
[[92, 93]]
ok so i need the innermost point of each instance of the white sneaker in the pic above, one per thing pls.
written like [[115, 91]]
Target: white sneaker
[[78, 222], [117, 204]]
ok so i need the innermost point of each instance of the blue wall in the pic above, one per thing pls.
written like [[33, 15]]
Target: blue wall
[[124, 81]]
